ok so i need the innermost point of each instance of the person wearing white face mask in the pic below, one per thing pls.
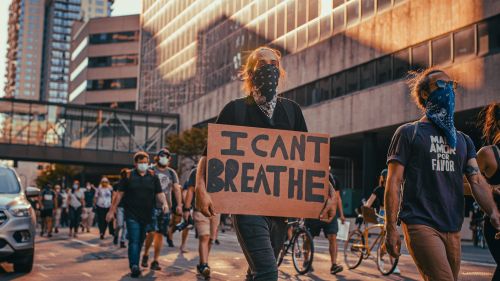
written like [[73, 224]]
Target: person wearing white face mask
[[102, 200], [159, 227], [139, 191]]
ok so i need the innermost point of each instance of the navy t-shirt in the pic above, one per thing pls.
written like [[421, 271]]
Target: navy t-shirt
[[433, 190]]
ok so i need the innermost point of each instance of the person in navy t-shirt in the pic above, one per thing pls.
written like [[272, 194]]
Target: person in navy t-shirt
[[428, 158]]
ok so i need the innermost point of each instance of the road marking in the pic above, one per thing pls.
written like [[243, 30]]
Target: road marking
[[85, 243], [86, 274]]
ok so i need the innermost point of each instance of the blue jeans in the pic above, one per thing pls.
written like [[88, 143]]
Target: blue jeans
[[136, 235]]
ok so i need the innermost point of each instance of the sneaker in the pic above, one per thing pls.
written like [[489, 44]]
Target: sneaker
[[203, 270], [170, 243], [396, 270], [115, 240], [336, 269], [144, 262], [88, 230], [135, 271], [49, 235], [56, 230], [217, 242], [155, 266], [122, 244], [102, 237]]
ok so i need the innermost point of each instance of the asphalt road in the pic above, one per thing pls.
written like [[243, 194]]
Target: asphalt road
[[88, 258]]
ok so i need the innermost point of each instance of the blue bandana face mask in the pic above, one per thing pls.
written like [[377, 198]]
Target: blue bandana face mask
[[440, 109]]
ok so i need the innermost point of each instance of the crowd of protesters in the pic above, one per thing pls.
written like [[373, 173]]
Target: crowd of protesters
[[429, 158]]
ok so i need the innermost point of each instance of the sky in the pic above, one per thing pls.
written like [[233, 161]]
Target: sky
[[120, 8]]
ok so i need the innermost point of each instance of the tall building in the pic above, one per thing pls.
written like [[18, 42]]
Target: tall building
[[59, 17], [24, 51], [346, 64], [104, 62]]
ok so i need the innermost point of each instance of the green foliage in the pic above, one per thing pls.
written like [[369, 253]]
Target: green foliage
[[57, 173], [189, 143]]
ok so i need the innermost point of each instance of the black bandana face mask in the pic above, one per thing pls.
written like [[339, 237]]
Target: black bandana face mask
[[266, 80]]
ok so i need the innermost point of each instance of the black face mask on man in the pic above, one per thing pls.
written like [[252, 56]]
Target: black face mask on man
[[265, 80]]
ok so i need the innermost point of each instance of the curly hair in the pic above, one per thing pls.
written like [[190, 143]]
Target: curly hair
[[418, 81], [489, 119], [247, 72]]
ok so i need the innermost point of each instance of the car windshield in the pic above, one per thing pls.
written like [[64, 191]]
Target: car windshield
[[8, 182]]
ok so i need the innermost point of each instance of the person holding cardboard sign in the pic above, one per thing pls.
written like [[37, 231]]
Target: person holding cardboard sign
[[260, 237]]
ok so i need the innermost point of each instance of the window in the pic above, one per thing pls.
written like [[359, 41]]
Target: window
[[290, 95], [441, 50], [301, 12], [270, 27], [300, 96], [338, 19], [463, 43], [290, 42], [352, 80], [367, 75], [325, 28], [420, 56], [384, 69], [111, 84], [116, 37], [367, 8], [338, 85], [383, 4], [313, 11], [489, 36], [312, 34], [401, 63], [290, 17], [280, 22], [352, 12], [324, 88], [302, 38], [336, 3], [313, 95]]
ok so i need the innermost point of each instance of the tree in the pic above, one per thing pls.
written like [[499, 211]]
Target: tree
[[57, 173], [189, 143]]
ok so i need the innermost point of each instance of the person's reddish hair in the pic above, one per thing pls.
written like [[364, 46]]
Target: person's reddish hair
[[489, 118]]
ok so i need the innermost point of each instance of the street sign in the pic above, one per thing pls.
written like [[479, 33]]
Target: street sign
[[268, 172]]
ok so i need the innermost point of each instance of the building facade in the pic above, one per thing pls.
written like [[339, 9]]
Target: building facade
[[60, 15], [346, 64], [104, 62], [24, 50]]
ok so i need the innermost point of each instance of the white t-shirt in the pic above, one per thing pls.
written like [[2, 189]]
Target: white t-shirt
[[75, 198], [103, 196]]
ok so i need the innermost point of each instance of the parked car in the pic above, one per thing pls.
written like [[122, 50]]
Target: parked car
[[17, 221]]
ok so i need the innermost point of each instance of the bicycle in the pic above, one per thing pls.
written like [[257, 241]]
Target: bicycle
[[357, 247], [302, 248]]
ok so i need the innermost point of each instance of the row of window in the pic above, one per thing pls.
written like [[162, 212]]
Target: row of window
[[111, 84], [110, 61], [114, 37], [478, 39]]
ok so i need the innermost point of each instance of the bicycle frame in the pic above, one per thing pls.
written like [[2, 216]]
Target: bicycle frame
[[366, 233]]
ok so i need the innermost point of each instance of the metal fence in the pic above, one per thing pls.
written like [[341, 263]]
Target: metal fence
[[83, 127]]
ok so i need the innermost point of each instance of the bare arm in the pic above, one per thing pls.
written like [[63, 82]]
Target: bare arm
[[161, 198], [203, 200], [339, 204], [370, 201], [116, 200], [189, 197], [391, 203], [178, 196], [481, 189]]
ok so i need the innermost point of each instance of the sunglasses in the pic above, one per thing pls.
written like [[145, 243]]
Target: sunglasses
[[443, 84]]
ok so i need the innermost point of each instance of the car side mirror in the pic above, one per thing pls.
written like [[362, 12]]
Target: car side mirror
[[32, 192]]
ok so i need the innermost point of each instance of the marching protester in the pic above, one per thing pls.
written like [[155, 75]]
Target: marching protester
[[103, 197], [120, 213], [186, 213], [58, 208], [260, 237], [205, 226], [488, 159], [138, 190], [76, 203], [48, 203], [330, 229], [160, 221], [88, 209], [429, 158]]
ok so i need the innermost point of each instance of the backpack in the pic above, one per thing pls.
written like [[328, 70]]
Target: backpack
[[241, 108]]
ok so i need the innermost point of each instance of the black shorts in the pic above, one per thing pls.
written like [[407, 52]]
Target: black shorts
[[315, 226], [45, 213], [159, 222]]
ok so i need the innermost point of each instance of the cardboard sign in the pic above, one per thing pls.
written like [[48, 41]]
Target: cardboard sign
[[257, 171]]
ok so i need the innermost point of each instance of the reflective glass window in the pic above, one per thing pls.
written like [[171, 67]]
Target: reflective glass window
[[401, 62], [352, 80], [336, 3], [111, 84], [420, 56], [280, 22], [384, 69], [338, 85], [463, 42], [338, 19], [367, 75], [383, 4], [352, 12], [290, 16], [302, 12], [367, 8], [312, 34], [441, 50], [325, 27]]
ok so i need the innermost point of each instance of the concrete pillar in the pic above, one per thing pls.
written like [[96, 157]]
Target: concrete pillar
[[369, 163]]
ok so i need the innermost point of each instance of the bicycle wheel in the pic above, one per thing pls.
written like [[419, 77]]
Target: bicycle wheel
[[385, 262], [354, 249], [302, 251]]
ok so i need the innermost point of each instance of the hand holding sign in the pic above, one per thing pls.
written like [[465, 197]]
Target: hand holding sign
[[267, 172]]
